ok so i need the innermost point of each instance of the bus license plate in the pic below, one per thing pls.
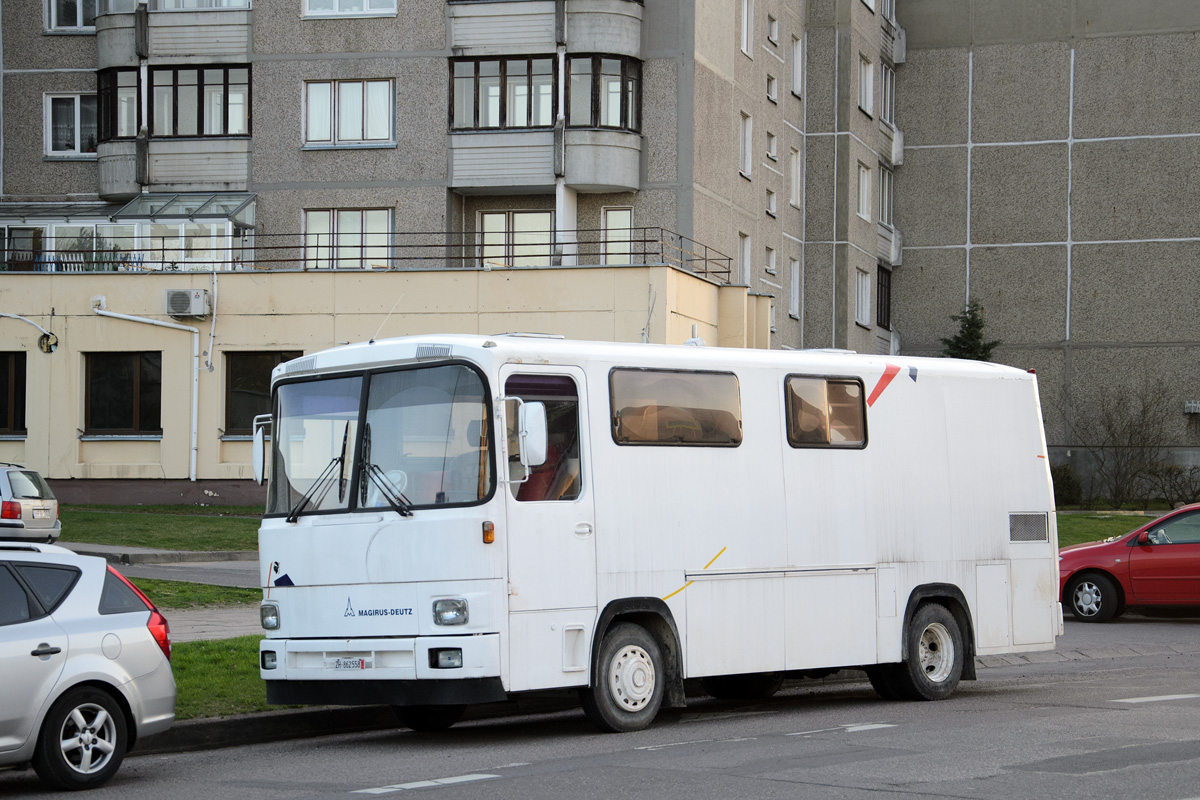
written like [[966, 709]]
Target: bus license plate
[[349, 663]]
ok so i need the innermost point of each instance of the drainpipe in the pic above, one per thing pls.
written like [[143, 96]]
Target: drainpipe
[[97, 306]]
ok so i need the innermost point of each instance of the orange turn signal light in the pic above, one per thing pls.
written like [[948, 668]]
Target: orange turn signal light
[[489, 533]]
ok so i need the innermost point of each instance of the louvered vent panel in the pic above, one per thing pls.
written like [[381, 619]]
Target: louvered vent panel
[[1028, 528], [433, 351]]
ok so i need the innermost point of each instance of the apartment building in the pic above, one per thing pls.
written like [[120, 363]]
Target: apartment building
[[218, 185]]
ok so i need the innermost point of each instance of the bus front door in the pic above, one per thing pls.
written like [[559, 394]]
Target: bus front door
[[550, 535]]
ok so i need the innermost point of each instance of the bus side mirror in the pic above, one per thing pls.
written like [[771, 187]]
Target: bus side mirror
[[531, 422], [258, 455]]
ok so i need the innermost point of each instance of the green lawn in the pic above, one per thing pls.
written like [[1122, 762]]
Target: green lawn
[[1076, 528], [218, 678], [179, 594], [168, 527]]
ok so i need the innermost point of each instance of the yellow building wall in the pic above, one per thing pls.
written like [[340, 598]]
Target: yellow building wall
[[308, 311]]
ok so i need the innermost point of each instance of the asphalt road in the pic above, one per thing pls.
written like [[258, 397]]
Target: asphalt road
[[1119, 719]]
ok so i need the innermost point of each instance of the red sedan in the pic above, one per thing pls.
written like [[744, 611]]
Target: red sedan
[[1156, 565]]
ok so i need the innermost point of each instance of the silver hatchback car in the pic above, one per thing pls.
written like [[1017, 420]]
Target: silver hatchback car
[[84, 662], [28, 509]]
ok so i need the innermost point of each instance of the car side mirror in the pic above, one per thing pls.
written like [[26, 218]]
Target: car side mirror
[[1143, 537]]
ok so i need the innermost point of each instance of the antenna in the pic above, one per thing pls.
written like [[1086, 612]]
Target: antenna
[[389, 316]]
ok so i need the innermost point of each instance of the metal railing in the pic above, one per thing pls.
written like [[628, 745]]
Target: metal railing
[[390, 251]]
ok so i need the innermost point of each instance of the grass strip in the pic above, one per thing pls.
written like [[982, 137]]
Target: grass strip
[[1078, 528], [175, 509], [218, 678], [161, 530], [184, 595]]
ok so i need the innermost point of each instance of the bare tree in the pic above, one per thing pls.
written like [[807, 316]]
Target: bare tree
[[1126, 432]]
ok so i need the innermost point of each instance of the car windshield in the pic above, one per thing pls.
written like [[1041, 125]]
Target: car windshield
[[29, 485], [424, 441]]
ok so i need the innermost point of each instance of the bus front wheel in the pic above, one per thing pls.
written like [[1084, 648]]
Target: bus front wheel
[[935, 655], [627, 688]]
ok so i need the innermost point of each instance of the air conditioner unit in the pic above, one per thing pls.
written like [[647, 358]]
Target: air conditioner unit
[[187, 302]]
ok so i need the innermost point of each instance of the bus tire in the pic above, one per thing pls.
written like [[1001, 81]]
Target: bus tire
[[883, 680], [754, 686], [935, 655], [627, 689], [428, 719]]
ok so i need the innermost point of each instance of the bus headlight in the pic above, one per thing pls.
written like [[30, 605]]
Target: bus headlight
[[450, 611], [268, 613]]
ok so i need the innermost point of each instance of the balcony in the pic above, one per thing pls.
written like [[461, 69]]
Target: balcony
[[216, 31], [605, 26]]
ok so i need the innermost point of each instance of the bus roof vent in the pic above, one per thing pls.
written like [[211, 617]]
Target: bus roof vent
[[433, 351], [1028, 528], [301, 365]]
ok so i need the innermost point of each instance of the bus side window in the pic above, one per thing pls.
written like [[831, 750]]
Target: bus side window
[[558, 478], [825, 412]]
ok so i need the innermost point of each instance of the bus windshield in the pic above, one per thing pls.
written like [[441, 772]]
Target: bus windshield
[[424, 442]]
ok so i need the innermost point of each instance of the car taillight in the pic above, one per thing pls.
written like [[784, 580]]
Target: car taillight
[[159, 628], [11, 510]]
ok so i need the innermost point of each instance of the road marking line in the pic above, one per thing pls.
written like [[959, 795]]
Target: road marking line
[[400, 787], [671, 744], [870, 726], [1158, 699]]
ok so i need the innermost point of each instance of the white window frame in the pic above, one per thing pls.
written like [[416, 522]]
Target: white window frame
[[887, 89], [745, 243], [519, 251], [48, 123], [606, 235], [77, 26], [747, 26], [771, 261], [866, 85], [325, 254], [795, 169], [771, 204], [869, 4], [772, 30], [862, 301], [864, 191], [797, 66], [746, 154], [382, 8], [887, 9], [772, 146], [886, 197], [794, 299], [772, 89], [334, 121]]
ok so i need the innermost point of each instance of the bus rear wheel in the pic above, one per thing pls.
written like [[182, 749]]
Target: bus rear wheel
[[935, 655], [627, 689], [429, 718]]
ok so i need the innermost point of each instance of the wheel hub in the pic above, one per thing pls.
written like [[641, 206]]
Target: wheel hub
[[937, 652], [632, 678]]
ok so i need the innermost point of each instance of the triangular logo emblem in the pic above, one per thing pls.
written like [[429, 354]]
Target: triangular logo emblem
[[349, 608]]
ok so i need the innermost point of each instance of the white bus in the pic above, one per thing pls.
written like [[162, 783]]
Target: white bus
[[454, 519]]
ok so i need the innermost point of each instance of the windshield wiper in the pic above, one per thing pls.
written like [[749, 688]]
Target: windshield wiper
[[324, 481], [390, 491]]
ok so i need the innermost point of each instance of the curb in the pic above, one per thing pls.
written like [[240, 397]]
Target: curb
[[139, 555]]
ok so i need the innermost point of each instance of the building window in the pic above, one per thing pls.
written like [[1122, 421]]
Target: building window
[[887, 9], [204, 101], [502, 93], [883, 298], [71, 125], [72, 15], [746, 145], [123, 393], [604, 92], [118, 106], [12, 394], [743, 258], [516, 238], [772, 30], [797, 66], [794, 295], [346, 238], [794, 171], [617, 234], [747, 21], [248, 388], [869, 4], [862, 298], [771, 203], [770, 253], [772, 145], [885, 196], [887, 88], [349, 8], [348, 112], [866, 86], [772, 89], [864, 191]]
